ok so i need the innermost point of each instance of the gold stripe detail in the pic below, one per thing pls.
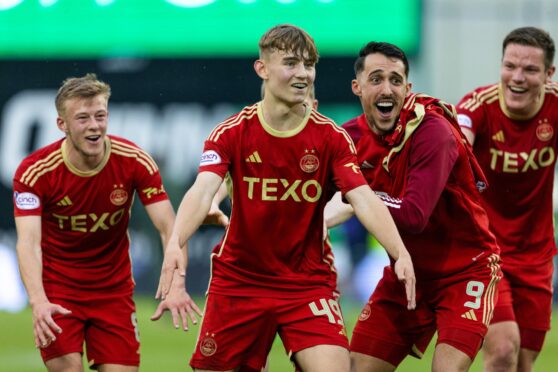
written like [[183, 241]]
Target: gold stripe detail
[[488, 298], [320, 119], [487, 95], [52, 158], [46, 170], [246, 113], [257, 157], [136, 151]]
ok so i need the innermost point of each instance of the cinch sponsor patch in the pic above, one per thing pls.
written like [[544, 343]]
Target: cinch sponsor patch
[[209, 158], [26, 200], [464, 121]]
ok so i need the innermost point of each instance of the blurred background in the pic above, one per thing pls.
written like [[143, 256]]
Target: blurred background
[[179, 67]]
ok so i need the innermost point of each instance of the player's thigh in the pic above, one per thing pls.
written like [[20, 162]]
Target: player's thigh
[[386, 330], [449, 359], [235, 332], [366, 363], [463, 305], [112, 336], [66, 363], [323, 358], [309, 322], [531, 290], [117, 368], [71, 339], [501, 341]]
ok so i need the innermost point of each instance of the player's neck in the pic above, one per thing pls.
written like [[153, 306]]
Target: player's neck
[[81, 161], [282, 117]]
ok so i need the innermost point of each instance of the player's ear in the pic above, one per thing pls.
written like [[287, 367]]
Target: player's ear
[[549, 73], [355, 86], [260, 68], [408, 87], [61, 124]]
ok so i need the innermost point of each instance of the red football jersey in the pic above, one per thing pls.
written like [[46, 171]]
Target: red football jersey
[[281, 182], [518, 158], [431, 194], [85, 215]]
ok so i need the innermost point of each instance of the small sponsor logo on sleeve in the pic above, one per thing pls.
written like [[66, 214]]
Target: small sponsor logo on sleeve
[[26, 200], [464, 121], [210, 158]]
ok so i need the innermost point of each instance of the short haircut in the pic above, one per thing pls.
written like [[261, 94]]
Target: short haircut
[[289, 38], [535, 37], [387, 49], [87, 86]]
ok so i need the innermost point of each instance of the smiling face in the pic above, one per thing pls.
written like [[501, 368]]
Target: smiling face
[[382, 87], [522, 76], [84, 120], [288, 77]]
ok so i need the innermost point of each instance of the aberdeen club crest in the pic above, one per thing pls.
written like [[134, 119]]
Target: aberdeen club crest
[[309, 163]]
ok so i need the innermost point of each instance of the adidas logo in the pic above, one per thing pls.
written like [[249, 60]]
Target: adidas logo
[[499, 136], [469, 315], [254, 158], [64, 202]]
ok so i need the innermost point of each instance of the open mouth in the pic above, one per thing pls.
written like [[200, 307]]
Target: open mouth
[[93, 139], [300, 86], [517, 90], [385, 107]]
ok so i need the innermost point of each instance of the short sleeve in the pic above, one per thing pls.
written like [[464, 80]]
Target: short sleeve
[[470, 113], [27, 199], [346, 171]]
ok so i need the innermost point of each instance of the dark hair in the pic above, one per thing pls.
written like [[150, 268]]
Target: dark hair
[[387, 49], [87, 86], [289, 38], [535, 37]]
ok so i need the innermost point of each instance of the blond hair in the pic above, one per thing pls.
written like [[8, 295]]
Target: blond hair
[[87, 86]]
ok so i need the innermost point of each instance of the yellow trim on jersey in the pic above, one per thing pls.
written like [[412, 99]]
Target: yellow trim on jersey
[[515, 116], [410, 128], [142, 157], [320, 119], [89, 173], [488, 95], [246, 113], [283, 133], [488, 298], [32, 174]]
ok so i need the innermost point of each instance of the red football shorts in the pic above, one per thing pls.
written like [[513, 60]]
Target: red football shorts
[[108, 326], [525, 296], [459, 307], [239, 331]]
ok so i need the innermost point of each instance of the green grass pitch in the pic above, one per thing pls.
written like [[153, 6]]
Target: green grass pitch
[[167, 349]]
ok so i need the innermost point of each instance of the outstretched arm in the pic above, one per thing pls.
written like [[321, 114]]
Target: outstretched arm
[[29, 255], [375, 217], [191, 213], [336, 212]]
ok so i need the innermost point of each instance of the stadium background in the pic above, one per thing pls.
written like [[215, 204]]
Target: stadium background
[[179, 67]]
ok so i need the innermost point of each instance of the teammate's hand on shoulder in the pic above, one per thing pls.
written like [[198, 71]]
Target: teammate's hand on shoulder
[[44, 327]]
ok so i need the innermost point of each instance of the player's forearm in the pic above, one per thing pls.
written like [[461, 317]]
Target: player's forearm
[[191, 213], [31, 271], [336, 212], [375, 217]]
